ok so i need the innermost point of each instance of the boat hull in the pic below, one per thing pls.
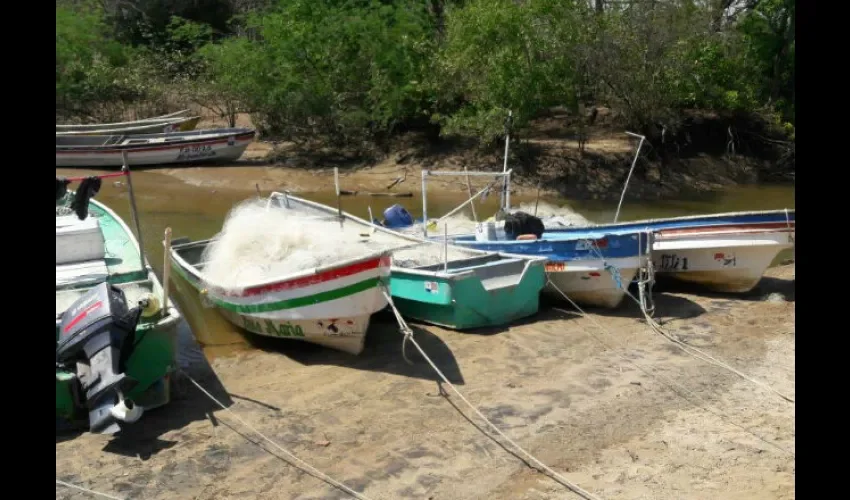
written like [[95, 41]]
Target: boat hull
[[331, 308], [464, 303], [154, 354], [215, 149], [723, 261], [347, 334], [726, 252], [590, 283], [576, 263]]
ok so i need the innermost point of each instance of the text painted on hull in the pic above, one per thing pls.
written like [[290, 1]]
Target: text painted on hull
[[271, 328]]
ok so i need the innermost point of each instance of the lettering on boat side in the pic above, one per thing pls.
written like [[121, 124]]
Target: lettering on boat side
[[272, 328], [555, 267], [725, 259], [672, 262], [195, 152], [591, 244]]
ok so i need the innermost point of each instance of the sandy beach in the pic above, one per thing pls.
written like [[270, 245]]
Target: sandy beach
[[603, 400]]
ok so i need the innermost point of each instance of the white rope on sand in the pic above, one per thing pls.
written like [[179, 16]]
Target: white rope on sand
[[408, 337], [86, 490], [699, 354], [304, 464], [669, 383]]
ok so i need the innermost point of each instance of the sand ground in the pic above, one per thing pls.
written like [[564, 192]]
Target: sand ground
[[595, 405]]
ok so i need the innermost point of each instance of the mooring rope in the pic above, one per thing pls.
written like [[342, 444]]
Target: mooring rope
[[702, 355], [86, 490], [408, 337], [656, 327], [312, 470], [670, 384]]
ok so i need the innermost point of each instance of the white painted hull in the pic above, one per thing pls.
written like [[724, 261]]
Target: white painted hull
[[329, 306], [202, 151], [731, 262], [347, 334], [589, 283]]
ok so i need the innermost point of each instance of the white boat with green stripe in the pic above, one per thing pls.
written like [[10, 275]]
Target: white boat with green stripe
[[329, 305]]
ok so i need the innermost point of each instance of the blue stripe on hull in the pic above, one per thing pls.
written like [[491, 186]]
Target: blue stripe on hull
[[559, 248]]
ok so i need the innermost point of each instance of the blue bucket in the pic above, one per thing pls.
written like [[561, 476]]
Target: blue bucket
[[397, 216]]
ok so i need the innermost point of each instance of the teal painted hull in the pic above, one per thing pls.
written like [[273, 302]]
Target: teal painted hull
[[463, 302]]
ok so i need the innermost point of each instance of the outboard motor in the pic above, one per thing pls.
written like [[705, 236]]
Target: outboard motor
[[96, 336]]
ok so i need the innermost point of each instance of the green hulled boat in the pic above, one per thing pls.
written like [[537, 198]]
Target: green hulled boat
[[116, 343], [480, 291]]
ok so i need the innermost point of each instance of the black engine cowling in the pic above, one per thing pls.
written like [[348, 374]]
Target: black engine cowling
[[96, 336], [518, 223]]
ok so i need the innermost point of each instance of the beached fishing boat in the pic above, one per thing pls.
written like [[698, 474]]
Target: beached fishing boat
[[444, 285], [202, 146], [176, 124], [726, 252], [109, 126], [330, 305], [116, 332], [592, 268]]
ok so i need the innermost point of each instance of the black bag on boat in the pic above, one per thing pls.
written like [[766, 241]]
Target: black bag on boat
[[519, 223], [61, 187], [88, 188]]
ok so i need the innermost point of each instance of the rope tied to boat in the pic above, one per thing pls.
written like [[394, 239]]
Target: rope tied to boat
[[86, 490], [303, 465], [408, 333], [614, 271], [669, 383]]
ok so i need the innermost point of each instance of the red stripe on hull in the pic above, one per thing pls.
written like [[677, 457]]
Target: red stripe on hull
[[332, 274], [732, 228], [173, 145]]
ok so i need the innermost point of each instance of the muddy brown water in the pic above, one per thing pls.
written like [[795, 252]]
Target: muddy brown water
[[197, 210]]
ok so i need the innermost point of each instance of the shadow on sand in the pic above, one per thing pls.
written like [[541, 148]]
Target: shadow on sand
[[188, 404], [767, 286], [382, 352]]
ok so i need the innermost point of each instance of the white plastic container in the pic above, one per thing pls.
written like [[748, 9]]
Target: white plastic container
[[485, 231]]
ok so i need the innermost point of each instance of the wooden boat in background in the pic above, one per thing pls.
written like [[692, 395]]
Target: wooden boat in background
[[176, 124], [130, 123], [201, 146]]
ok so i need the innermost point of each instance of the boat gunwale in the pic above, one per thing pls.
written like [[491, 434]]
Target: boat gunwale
[[536, 260], [182, 142], [168, 116], [128, 129], [177, 258]]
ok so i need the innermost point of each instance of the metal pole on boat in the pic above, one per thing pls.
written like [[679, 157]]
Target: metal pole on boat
[[446, 247], [469, 192], [505, 165], [424, 205], [338, 202], [166, 269], [126, 169], [628, 178]]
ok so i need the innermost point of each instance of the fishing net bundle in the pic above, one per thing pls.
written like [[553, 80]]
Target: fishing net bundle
[[258, 244]]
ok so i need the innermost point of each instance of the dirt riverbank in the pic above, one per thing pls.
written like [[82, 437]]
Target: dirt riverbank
[[706, 155], [595, 404]]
